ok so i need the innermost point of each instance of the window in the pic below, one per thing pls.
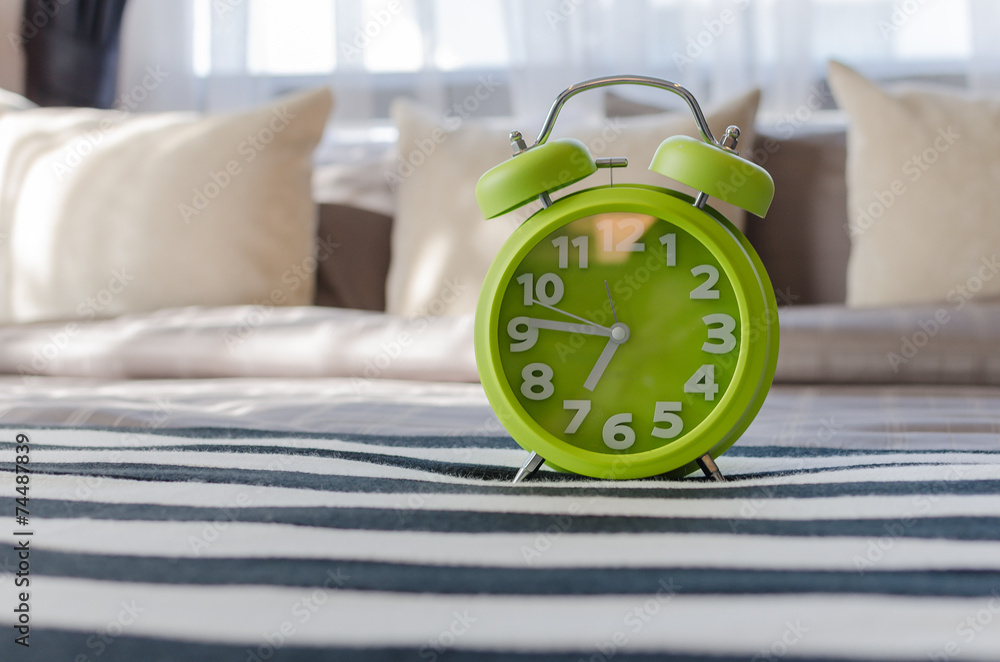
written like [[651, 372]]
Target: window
[[372, 51]]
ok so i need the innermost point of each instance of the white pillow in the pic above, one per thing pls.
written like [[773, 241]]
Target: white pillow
[[103, 213], [442, 247], [923, 180], [13, 101]]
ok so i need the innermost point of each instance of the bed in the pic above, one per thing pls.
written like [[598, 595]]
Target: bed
[[337, 518], [245, 483]]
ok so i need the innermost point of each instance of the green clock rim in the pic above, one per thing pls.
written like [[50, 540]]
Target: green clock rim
[[727, 422]]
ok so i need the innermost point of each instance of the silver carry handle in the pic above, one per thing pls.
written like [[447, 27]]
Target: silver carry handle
[[676, 88]]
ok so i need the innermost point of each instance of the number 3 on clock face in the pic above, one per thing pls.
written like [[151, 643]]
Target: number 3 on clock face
[[622, 340]]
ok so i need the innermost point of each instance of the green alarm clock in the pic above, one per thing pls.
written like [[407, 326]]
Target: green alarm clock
[[626, 331]]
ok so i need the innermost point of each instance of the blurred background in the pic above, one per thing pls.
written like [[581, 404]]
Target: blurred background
[[214, 55]]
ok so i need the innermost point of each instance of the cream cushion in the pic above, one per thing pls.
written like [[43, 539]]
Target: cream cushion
[[13, 101], [923, 182], [103, 213], [442, 247]]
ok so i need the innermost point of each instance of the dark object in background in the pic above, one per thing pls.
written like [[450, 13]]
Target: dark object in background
[[352, 278], [72, 60]]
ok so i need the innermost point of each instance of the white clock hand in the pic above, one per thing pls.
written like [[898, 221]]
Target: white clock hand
[[576, 317], [619, 334], [607, 288], [589, 329], [602, 363]]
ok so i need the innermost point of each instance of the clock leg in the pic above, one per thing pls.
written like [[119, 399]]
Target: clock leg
[[711, 470], [529, 467]]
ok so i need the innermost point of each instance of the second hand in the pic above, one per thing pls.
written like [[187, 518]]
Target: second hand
[[612, 301]]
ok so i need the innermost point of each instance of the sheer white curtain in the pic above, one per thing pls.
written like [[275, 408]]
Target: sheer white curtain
[[514, 56]]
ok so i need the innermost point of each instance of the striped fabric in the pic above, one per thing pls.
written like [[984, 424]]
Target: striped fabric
[[859, 523]]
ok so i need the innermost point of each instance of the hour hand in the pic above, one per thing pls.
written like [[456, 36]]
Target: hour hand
[[602, 364]]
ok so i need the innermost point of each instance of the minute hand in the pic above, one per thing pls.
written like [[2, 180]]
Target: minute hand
[[576, 317], [589, 329]]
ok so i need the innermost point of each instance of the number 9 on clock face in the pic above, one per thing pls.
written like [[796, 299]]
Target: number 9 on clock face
[[624, 342]]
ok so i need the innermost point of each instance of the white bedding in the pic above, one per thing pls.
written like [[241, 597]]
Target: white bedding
[[904, 417], [819, 344], [245, 341]]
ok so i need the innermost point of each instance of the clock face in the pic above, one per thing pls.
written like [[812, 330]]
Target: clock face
[[619, 333]]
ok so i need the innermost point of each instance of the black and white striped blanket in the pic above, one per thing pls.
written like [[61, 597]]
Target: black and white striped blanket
[[860, 523]]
